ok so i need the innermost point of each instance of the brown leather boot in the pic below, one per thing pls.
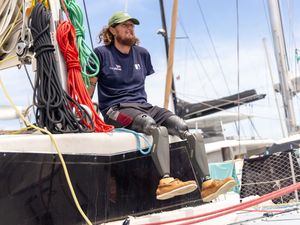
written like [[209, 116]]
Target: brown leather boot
[[170, 187], [211, 189]]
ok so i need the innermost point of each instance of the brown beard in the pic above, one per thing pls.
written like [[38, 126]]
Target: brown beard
[[126, 41]]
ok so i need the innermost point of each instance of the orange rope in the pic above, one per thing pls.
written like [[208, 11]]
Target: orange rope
[[66, 39], [231, 209]]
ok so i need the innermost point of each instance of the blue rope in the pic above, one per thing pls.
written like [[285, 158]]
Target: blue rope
[[137, 136]]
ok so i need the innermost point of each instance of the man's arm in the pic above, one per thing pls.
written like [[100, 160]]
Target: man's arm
[[91, 89]]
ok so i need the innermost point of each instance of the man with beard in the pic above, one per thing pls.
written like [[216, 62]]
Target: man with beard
[[123, 103]]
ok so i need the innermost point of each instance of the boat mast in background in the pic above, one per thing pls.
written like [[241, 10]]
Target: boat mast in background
[[164, 33], [282, 65]]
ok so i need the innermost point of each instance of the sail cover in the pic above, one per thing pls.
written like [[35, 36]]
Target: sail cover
[[188, 110]]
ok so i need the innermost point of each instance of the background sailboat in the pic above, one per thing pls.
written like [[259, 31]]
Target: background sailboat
[[205, 55]]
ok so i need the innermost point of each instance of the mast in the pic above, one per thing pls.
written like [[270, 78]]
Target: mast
[[166, 40], [282, 65]]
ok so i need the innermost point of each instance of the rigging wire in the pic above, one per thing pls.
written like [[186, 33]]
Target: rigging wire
[[238, 70], [254, 128], [267, 19], [88, 23], [198, 57], [29, 79], [32, 86], [266, 215], [275, 96], [213, 45]]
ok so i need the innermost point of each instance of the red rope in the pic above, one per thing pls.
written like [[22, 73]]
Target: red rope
[[231, 209], [66, 39]]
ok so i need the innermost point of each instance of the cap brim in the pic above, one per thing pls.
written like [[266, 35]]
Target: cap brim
[[134, 20]]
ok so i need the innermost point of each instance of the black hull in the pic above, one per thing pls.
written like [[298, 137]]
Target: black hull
[[34, 190]]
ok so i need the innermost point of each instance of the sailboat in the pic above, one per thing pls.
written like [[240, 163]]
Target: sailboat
[[110, 178]]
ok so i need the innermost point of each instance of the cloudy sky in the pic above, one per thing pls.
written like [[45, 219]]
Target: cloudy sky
[[219, 43]]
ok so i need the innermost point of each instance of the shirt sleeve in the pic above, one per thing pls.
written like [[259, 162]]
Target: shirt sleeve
[[148, 63]]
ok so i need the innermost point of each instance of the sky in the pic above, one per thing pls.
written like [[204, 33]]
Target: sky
[[218, 52]]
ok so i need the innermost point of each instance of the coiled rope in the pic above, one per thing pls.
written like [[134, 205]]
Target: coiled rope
[[66, 40], [53, 108], [10, 28], [88, 59]]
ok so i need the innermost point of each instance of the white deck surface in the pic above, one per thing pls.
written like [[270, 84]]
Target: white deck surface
[[105, 144]]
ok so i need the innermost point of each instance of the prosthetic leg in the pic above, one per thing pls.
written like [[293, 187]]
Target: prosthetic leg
[[168, 186], [176, 126], [160, 150]]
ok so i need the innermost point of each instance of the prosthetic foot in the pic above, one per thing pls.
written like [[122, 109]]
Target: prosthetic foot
[[170, 187], [211, 189]]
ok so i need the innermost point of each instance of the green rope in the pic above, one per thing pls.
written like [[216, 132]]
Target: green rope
[[88, 59]]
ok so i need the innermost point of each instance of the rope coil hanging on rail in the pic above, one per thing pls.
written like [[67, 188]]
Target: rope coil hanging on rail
[[66, 40], [88, 59], [52, 102]]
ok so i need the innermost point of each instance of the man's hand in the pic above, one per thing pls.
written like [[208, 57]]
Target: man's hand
[[93, 83]]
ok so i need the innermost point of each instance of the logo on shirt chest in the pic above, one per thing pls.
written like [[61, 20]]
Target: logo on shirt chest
[[137, 66], [116, 67]]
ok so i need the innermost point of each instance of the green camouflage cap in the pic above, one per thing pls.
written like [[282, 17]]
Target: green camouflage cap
[[120, 17]]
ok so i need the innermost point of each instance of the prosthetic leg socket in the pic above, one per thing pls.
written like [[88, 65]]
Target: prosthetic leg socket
[[197, 154], [160, 151]]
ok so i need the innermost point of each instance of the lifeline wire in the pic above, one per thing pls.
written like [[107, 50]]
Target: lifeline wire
[[52, 102], [224, 211]]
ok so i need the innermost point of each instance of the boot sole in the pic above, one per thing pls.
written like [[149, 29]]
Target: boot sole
[[222, 190], [176, 192]]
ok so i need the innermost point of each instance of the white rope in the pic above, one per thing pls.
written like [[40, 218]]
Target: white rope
[[8, 10], [10, 28], [12, 38]]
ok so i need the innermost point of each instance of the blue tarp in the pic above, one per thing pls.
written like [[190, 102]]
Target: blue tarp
[[223, 170]]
